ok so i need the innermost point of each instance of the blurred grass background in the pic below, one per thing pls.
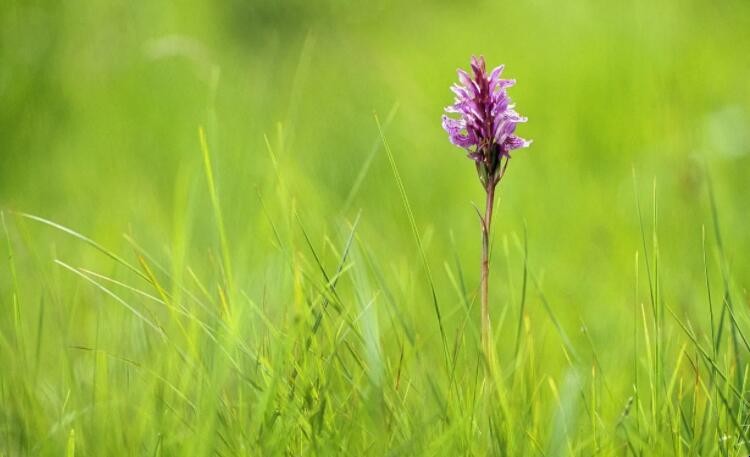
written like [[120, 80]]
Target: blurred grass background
[[100, 109]]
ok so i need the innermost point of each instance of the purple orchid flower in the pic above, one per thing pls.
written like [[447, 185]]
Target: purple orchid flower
[[487, 120], [485, 127]]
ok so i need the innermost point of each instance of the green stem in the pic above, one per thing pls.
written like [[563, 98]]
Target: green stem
[[486, 223]]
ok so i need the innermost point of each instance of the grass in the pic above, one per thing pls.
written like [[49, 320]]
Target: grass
[[341, 366], [211, 247]]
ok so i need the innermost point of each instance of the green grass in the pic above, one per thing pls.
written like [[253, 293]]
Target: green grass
[[212, 247]]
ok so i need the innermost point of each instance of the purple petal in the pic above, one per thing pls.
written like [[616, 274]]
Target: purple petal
[[478, 65], [496, 72], [514, 142]]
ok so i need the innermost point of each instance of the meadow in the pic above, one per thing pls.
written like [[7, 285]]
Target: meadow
[[238, 228]]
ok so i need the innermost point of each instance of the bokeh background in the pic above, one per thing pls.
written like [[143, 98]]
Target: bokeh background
[[100, 105]]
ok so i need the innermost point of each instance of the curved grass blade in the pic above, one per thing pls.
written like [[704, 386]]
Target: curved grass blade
[[88, 241], [415, 232]]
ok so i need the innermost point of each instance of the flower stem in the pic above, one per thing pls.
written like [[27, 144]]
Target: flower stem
[[486, 223]]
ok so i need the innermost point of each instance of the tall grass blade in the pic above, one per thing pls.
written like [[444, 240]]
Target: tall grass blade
[[70, 450], [225, 253], [418, 238]]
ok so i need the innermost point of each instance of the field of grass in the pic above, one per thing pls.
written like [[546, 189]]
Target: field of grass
[[238, 228]]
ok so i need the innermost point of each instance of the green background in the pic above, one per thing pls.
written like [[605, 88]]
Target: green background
[[100, 108]]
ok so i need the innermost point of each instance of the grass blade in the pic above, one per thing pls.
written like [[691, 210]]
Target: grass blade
[[417, 237]]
